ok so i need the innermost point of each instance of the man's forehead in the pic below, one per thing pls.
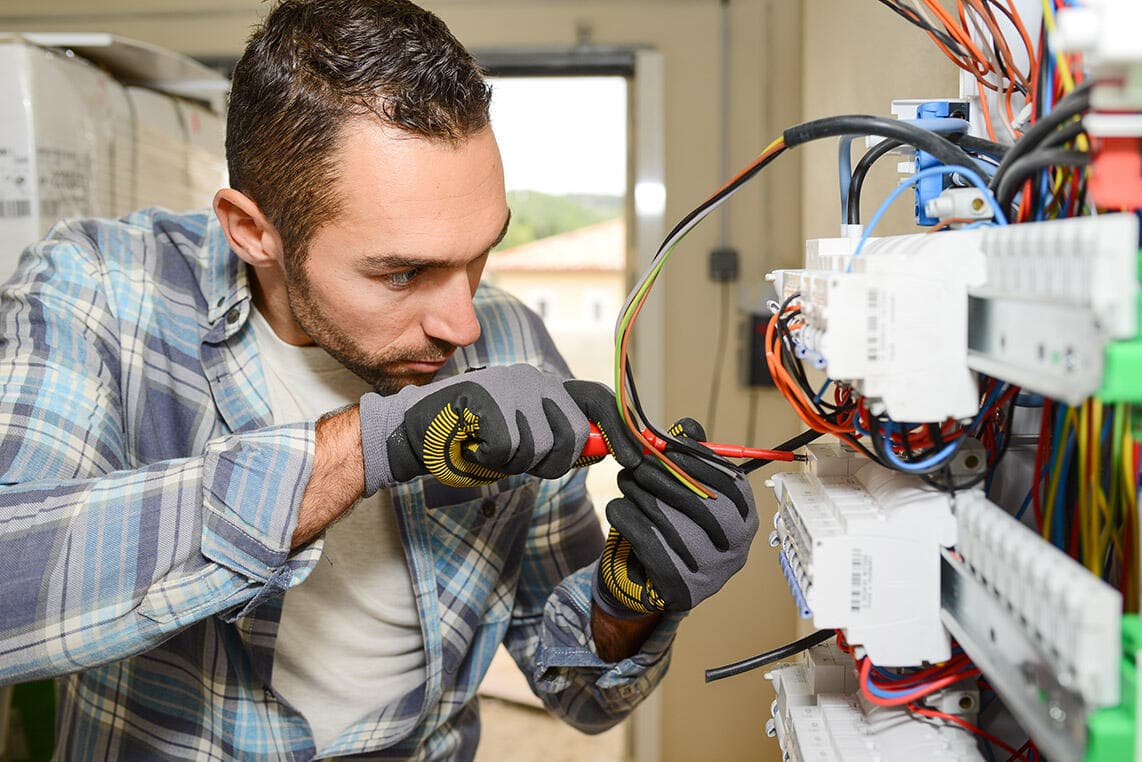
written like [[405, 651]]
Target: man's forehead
[[415, 175]]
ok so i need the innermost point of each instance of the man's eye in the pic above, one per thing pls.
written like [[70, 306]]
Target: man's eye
[[402, 278]]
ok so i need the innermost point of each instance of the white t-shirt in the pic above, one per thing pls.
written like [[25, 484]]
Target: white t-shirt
[[349, 641]]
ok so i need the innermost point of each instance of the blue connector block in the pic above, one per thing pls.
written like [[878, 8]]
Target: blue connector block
[[794, 587], [930, 187]]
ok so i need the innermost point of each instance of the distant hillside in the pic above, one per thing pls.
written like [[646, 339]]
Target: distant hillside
[[538, 215]]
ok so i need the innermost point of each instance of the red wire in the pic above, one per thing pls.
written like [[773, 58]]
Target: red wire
[[1025, 747], [1016, 754], [931, 687]]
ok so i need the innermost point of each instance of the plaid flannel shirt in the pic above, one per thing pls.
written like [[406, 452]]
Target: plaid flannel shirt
[[147, 506]]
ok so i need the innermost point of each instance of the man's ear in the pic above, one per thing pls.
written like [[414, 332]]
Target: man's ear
[[250, 233]]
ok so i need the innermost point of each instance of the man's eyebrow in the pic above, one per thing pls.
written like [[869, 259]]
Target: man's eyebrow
[[409, 262], [503, 231]]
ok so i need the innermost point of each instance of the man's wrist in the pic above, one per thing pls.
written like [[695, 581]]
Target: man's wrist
[[617, 639], [338, 474]]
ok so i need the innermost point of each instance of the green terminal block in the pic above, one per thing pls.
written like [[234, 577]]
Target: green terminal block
[[1111, 731], [1122, 376]]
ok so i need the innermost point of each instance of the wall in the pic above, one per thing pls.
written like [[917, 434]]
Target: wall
[[722, 721]]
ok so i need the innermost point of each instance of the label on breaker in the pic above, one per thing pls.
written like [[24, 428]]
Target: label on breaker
[[881, 306], [860, 581], [65, 182], [16, 186]]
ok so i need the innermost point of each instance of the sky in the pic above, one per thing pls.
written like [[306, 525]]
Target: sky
[[562, 134]]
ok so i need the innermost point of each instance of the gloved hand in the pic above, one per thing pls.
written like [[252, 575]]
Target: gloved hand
[[471, 429], [669, 548], [597, 402]]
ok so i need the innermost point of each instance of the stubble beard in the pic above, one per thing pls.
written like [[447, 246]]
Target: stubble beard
[[379, 371]]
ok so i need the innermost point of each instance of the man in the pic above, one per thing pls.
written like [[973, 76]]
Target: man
[[225, 569]]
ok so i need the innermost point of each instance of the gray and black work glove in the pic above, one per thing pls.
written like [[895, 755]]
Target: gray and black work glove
[[472, 429], [669, 548]]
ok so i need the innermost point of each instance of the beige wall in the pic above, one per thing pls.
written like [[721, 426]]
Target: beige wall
[[790, 57]]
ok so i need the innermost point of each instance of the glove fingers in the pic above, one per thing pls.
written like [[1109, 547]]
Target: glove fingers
[[598, 403], [564, 451], [653, 487], [650, 549], [518, 461], [689, 428], [675, 530], [728, 481]]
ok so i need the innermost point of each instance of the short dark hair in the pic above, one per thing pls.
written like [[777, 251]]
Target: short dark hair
[[314, 64]]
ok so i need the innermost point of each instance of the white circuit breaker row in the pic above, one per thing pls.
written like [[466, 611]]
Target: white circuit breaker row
[[909, 318], [1073, 617]]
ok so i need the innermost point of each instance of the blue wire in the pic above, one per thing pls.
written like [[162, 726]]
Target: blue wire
[[968, 174], [922, 465], [1023, 507], [939, 125], [821, 392], [845, 168], [947, 452]]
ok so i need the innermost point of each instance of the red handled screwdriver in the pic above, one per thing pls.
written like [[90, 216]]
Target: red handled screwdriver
[[596, 445]]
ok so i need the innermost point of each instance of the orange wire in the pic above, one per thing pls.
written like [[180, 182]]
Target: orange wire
[[958, 33]]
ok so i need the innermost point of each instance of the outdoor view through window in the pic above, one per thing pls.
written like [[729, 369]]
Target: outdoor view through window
[[563, 141]]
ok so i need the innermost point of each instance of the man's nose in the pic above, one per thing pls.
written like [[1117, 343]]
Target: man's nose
[[451, 316]]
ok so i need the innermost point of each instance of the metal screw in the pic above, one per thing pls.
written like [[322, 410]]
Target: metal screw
[[1056, 713]]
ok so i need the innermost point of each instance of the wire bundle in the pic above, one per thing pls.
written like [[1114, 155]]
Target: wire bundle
[[627, 394], [909, 687], [1085, 492], [924, 449], [993, 66]]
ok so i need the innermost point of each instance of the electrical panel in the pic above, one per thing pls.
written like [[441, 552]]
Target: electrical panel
[[971, 522]]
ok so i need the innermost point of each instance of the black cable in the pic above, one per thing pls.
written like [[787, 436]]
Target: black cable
[[1020, 170], [789, 445], [940, 147], [979, 145], [777, 654], [730, 188], [1075, 103], [1064, 135], [873, 155]]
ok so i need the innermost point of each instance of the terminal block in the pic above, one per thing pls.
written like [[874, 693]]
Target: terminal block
[[818, 714]]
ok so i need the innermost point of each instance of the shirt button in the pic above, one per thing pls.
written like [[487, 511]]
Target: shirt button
[[232, 316], [488, 507]]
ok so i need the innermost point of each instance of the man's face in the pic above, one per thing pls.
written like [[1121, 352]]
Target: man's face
[[386, 286]]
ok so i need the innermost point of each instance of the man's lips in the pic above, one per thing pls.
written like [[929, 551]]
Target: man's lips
[[424, 366]]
